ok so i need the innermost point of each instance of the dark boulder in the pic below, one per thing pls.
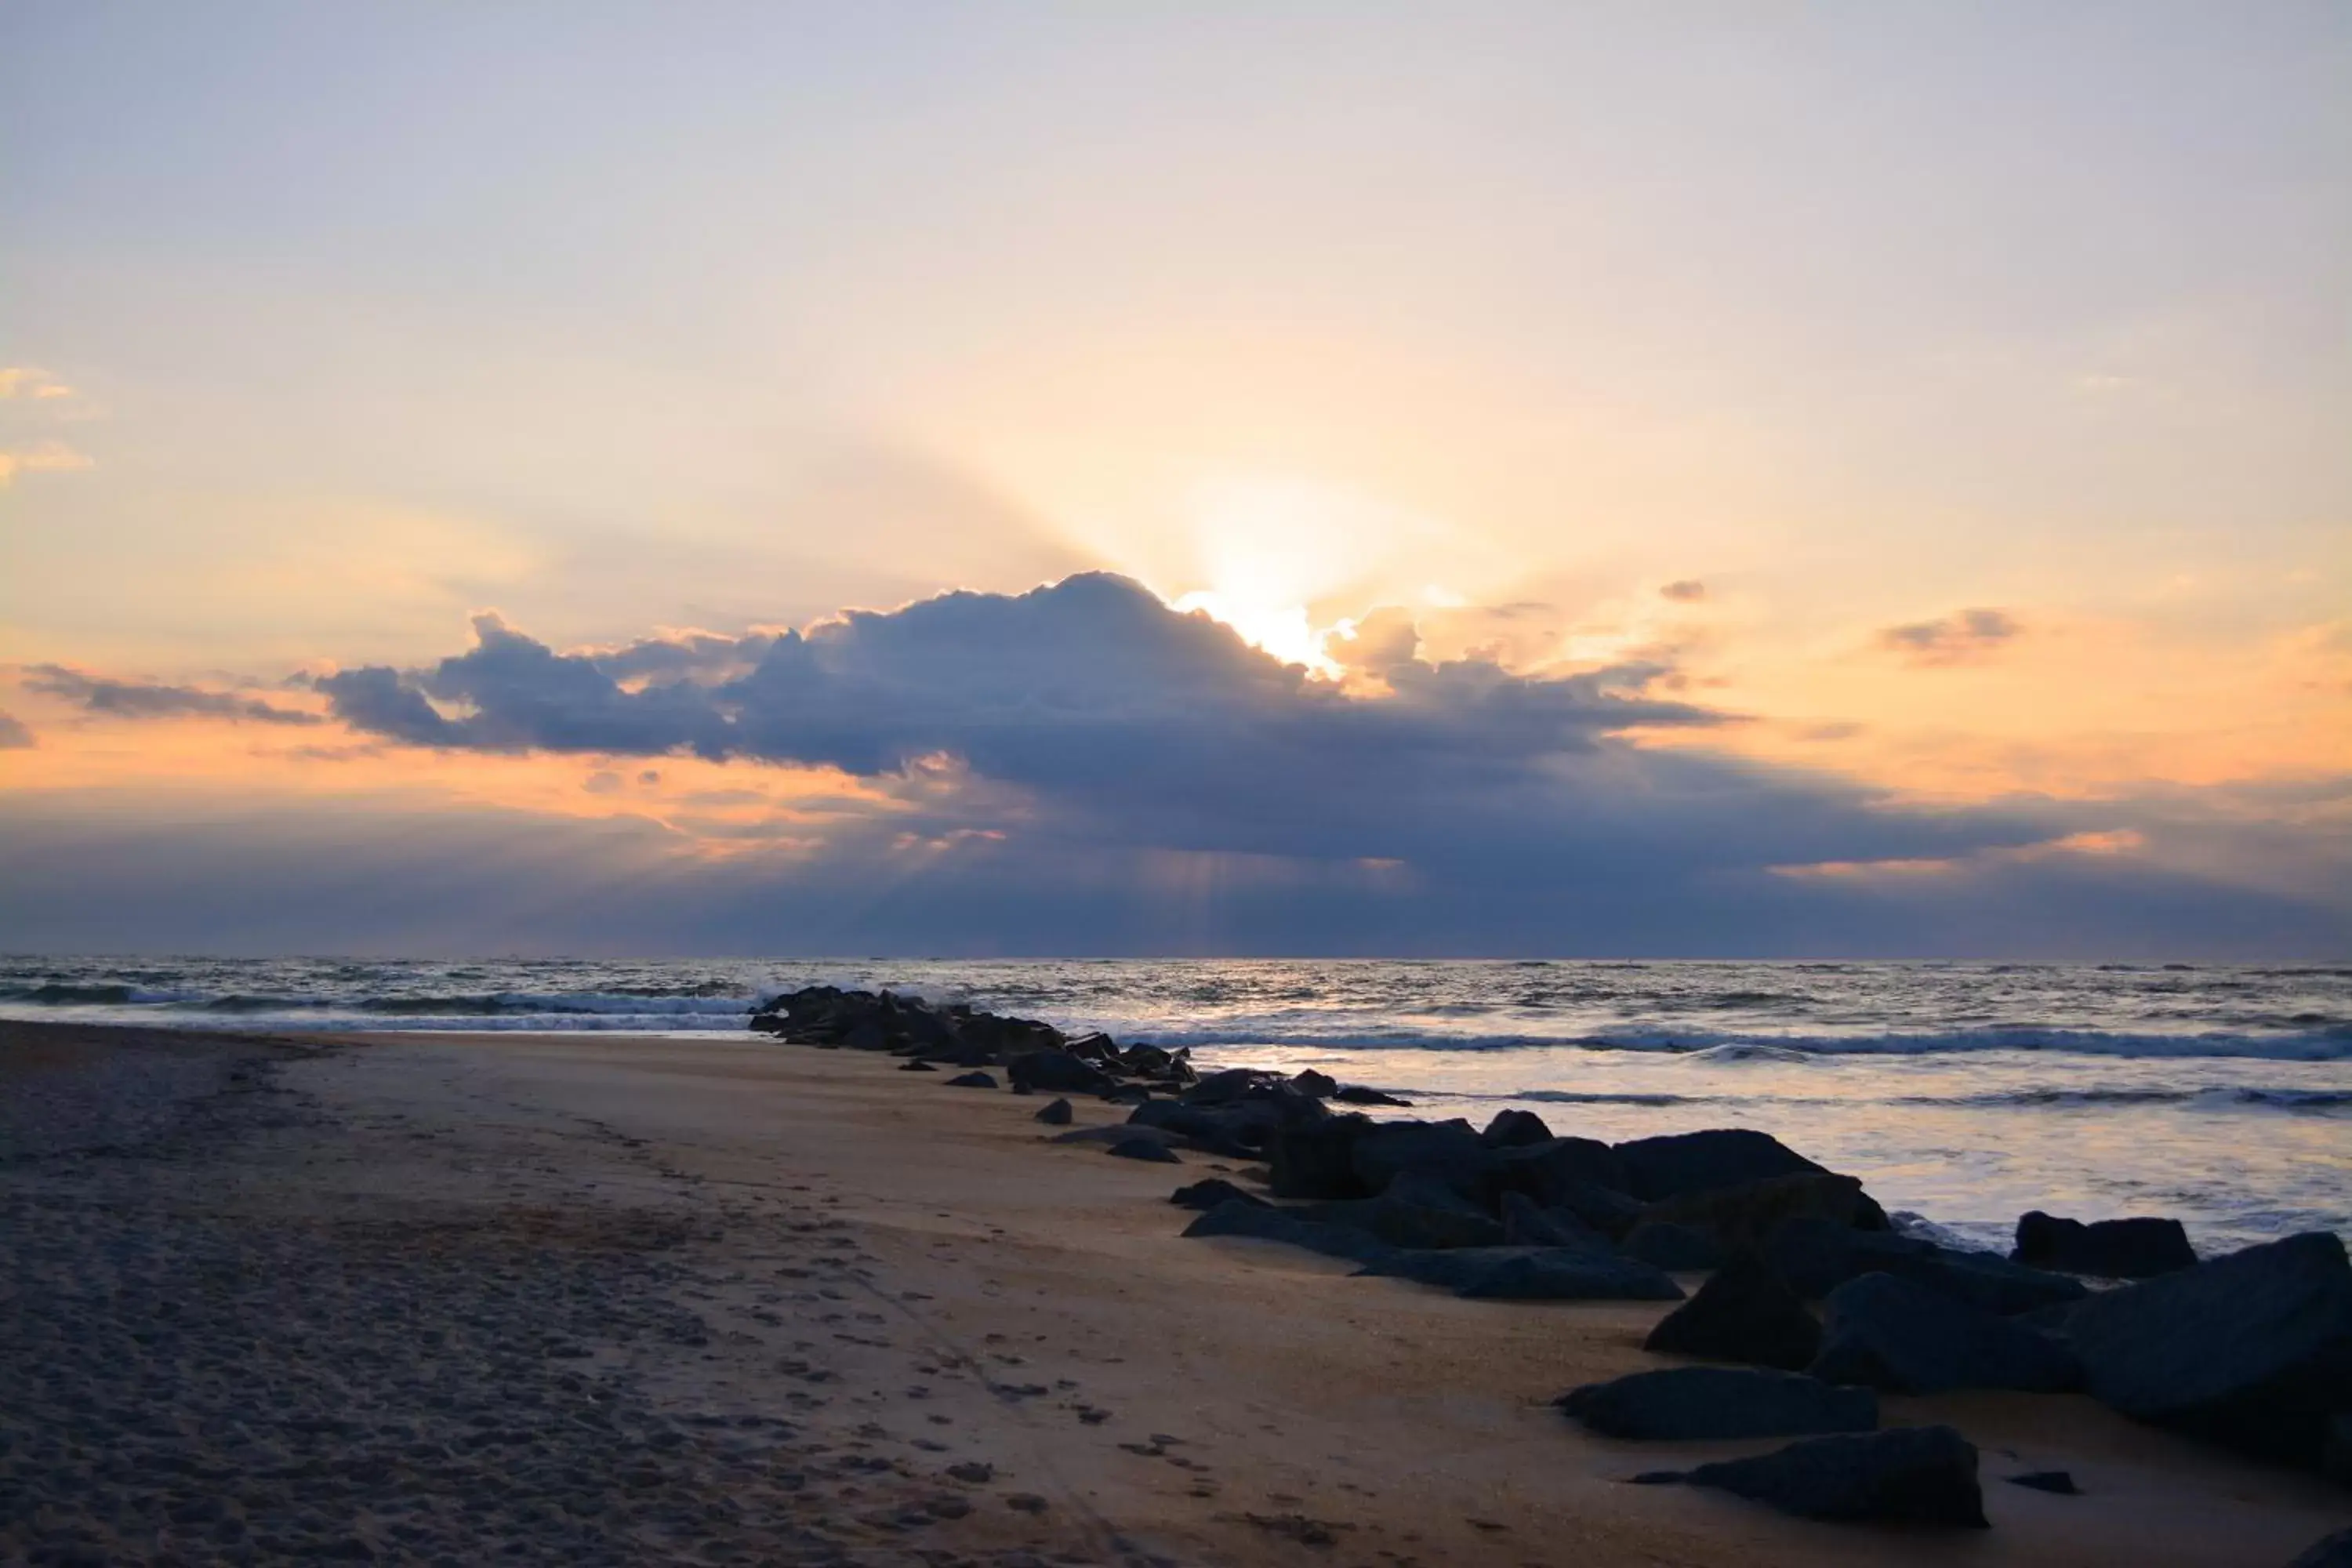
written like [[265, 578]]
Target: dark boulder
[[1262, 1221], [1208, 1194], [1135, 1146], [1683, 1163], [1816, 1256], [1707, 1404], [1448, 1150], [2335, 1552], [1903, 1336], [2058, 1483], [1320, 1085], [1056, 1072], [1910, 1474], [1512, 1129], [916, 1066], [1526, 1222], [1057, 1114], [1553, 1171], [2253, 1350], [1605, 1209], [971, 1080], [1746, 1313], [1226, 1087], [1741, 1217], [1357, 1094], [1680, 1248], [1317, 1159], [1530, 1274], [2110, 1248], [1416, 1210]]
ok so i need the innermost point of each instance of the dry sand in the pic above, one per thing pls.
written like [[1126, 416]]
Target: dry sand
[[821, 1310]]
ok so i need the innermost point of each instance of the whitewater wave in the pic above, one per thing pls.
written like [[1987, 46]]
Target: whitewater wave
[[2333, 1043]]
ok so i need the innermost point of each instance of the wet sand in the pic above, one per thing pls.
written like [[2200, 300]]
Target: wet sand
[[729, 1300]]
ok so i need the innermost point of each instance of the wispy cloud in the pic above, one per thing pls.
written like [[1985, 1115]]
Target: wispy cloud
[[1957, 638], [45, 457], [29, 381], [148, 700]]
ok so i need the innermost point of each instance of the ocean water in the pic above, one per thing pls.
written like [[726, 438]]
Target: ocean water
[[1966, 1093]]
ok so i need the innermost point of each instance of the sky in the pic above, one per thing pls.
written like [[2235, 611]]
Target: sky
[[1560, 478]]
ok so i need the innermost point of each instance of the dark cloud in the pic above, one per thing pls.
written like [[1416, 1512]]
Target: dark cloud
[[1689, 590], [14, 736], [1959, 637], [145, 700], [1081, 769]]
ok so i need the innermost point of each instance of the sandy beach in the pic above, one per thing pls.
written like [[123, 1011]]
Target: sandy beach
[[618, 1298]]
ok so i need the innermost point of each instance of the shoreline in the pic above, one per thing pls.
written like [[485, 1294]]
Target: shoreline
[[1227, 1402]]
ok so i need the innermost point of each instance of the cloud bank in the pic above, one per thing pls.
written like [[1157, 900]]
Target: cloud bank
[[1081, 769]]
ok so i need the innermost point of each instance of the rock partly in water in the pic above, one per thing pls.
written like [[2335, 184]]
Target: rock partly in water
[[1530, 1274], [1057, 1114], [1901, 1336], [2252, 1350], [1718, 1403], [1745, 1313], [1910, 1474], [1359, 1094], [2110, 1248], [1513, 1129], [1683, 1163], [1816, 1256], [1740, 1217]]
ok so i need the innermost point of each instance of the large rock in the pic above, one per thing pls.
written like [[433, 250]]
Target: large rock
[[1905, 1338], [1680, 1248], [1742, 1216], [1140, 1146], [1417, 1210], [1717, 1402], [1317, 1159], [1744, 1313], [2335, 1552], [970, 1080], [1683, 1163], [1552, 1170], [2112, 1248], [1261, 1222], [1513, 1129], [1448, 1150], [1911, 1475], [2253, 1350], [1530, 1274], [1816, 1256], [1526, 1222], [1605, 1209], [1207, 1195]]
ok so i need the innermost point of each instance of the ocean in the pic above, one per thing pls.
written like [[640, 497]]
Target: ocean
[[1965, 1093]]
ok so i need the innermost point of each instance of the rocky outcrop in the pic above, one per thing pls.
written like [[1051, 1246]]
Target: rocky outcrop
[[1697, 1404], [2110, 1248], [2253, 1350], [1744, 1313], [1905, 1338], [1910, 1474]]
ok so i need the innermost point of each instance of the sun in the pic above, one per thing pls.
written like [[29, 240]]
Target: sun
[[1281, 630]]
